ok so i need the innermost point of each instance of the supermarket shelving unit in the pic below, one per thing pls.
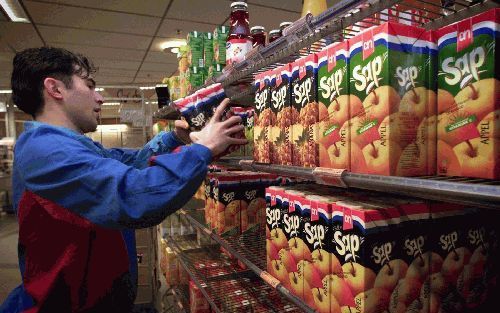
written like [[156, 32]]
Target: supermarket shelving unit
[[307, 35]]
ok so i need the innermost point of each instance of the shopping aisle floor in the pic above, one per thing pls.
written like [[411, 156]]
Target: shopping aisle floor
[[9, 269]]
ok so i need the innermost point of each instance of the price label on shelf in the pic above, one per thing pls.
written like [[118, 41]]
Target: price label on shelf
[[329, 176], [268, 278]]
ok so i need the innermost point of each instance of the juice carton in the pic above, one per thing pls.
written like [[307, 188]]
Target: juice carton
[[412, 12], [251, 204], [305, 151], [389, 69], [332, 132], [281, 131], [275, 237], [273, 130], [227, 218], [469, 89], [262, 119], [466, 247], [324, 274], [197, 301]]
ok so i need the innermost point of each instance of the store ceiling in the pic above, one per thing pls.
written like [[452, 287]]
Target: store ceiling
[[123, 37]]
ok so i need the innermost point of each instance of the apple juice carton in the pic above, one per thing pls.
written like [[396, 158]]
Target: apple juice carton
[[332, 132], [389, 88], [275, 237], [281, 132], [305, 151], [228, 206], [262, 119], [468, 106]]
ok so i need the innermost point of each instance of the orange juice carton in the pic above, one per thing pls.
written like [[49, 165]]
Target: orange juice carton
[[208, 199], [275, 237], [332, 131], [251, 204], [389, 68], [263, 118], [468, 127], [227, 218], [281, 130], [197, 301], [305, 151]]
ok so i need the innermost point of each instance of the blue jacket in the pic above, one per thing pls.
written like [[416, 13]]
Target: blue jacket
[[77, 205]]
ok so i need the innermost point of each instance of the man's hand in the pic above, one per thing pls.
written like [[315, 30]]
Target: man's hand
[[181, 130], [218, 135]]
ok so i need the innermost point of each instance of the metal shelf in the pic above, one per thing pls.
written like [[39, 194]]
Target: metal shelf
[[468, 191], [181, 297], [227, 287], [250, 249]]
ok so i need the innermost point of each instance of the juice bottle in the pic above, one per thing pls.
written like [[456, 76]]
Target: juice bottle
[[239, 41], [274, 34], [314, 7], [258, 36]]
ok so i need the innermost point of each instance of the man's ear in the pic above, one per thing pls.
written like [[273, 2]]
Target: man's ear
[[53, 87]]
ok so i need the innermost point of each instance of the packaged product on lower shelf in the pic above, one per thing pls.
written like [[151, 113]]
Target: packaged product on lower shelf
[[468, 106], [197, 301], [172, 268]]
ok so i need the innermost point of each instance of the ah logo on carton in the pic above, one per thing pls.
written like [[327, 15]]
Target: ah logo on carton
[[464, 34]]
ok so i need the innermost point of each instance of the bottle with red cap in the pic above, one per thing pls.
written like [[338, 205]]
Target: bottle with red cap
[[239, 41]]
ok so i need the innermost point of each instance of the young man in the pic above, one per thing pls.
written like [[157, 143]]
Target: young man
[[77, 203]]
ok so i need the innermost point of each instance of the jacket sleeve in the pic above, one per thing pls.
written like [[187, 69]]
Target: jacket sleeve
[[106, 191], [162, 143]]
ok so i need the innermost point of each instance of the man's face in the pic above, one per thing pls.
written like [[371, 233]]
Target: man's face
[[83, 104]]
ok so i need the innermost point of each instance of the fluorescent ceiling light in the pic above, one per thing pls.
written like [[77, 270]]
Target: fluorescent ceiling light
[[112, 127], [5, 91], [147, 87], [174, 50], [176, 43], [14, 11], [98, 88], [111, 103]]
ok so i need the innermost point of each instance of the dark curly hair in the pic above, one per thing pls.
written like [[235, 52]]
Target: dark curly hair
[[32, 66]]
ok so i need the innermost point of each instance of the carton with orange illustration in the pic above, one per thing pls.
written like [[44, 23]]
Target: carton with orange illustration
[[275, 236], [227, 210], [305, 150], [468, 98], [389, 67], [253, 203], [281, 130], [332, 131], [262, 118]]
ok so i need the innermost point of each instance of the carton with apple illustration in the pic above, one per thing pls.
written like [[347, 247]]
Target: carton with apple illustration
[[391, 99], [466, 248], [228, 206], [305, 151], [332, 131], [262, 119], [281, 130], [468, 97]]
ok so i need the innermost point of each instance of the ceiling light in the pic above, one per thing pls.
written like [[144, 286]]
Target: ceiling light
[[176, 43], [14, 11], [111, 103], [174, 50], [112, 127], [98, 89], [147, 87], [6, 91]]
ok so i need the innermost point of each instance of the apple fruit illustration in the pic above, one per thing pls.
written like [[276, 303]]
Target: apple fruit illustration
[[312, 275], [375, 300], [381, 157], [424, 265], [476, 158], [454, 264], [296, 283], [337, 288], [434, 303], [381, 102], [479, 259], [406, 291], [288, 260], [472, 287], [358, 277], [323, 112], [338, 111], [447, 161], [445, 102], [451, 130], [413, 161], [438, 284], [479, 98], [324, 157], [417, 101], [299, 249], [278, 238], [358, 162], [280, 272], [325, 262], [390, 274], [427, 141], [271, 250], [339, 155], [323, 303]]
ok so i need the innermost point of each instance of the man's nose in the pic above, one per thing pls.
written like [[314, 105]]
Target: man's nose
[[99, 98]]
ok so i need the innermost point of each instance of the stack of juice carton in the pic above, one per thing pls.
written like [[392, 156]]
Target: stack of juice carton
[[197, 301], [393, 100], [235, 200], [367, 252]]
